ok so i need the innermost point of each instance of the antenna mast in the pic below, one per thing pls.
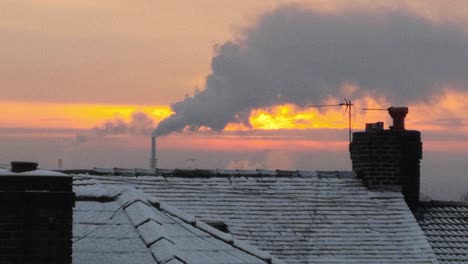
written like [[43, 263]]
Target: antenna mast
[[348, 105], [375, 109]]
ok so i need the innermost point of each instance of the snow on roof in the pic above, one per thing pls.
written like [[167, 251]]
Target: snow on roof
[[446, 227], [7, 172], [103, 234], [165, 234], [296, 216]]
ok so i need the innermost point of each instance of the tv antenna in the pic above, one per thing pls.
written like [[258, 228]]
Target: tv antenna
[[375, 109], [348, 105]]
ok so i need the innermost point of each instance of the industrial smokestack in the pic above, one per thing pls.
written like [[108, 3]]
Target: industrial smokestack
[[153, 160]]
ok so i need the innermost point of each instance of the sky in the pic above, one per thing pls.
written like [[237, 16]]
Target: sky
[[88, 82]]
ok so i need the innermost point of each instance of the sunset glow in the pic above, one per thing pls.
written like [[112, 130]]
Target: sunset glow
[[447, 111], [443, 112], [79, 116], [230, 83], [444, 108], [289, 116]]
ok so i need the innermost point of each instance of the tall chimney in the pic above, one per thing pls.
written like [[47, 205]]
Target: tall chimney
[[389, 159], [36, 216], [153, 160]]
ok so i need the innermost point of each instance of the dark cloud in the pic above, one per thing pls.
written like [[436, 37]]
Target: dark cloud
[[294, 55]]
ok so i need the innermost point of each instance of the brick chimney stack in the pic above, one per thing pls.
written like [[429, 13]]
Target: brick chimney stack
[[36, 216], [389, 159]]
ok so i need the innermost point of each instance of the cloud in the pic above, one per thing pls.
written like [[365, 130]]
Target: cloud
[[295, 55]]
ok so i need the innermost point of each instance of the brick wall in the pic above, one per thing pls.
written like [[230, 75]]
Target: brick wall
[[388, 160], [36, 219]]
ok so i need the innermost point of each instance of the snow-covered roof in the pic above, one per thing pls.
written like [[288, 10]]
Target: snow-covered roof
[[8, 172], [446, 227], [116, 225], [296, 216]]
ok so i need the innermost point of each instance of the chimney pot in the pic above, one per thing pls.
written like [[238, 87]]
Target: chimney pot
[[23, 166], [398, 114]]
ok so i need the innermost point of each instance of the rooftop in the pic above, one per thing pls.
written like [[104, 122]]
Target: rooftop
[[446, 228], [118, 224], [296, 216]]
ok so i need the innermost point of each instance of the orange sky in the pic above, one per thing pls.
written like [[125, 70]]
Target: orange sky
[[78, 116], [68, 66], [427, 117], [139, 52], [423, 115], [78, 63]]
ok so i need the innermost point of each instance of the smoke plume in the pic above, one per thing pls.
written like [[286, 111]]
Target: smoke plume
[[139, 124], [295, 55]]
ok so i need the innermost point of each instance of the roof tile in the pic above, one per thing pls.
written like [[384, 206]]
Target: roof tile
[[302, 217], [446, 227], [131, 223]]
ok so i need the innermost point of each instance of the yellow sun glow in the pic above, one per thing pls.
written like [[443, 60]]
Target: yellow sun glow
[[446, 109], [80, 116]]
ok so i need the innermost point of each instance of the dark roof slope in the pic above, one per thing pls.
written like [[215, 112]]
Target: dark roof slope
[[297, 216], [446, 227]]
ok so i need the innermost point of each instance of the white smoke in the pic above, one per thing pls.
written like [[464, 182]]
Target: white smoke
[[139, 124], [294, 55]]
